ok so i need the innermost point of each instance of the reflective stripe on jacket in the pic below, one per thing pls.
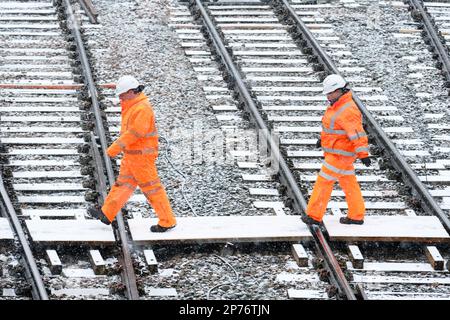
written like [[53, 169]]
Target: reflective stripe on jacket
[[342, 130]]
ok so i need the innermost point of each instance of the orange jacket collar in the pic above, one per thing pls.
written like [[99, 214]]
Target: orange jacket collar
[[127, 104], [346, 97]]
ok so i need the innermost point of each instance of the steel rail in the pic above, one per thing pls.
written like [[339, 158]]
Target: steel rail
[[90, 10], [31, 270], [408, 176], [433, 36], [128, 275], [285, 174]]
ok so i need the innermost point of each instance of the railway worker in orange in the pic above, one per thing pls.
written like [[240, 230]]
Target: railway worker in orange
[[343, 140], [139, 143]]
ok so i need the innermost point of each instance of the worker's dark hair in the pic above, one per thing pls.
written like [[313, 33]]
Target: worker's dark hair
[[139, 89], [344, 90]]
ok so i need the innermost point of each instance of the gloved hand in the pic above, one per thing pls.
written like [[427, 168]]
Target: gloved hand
[[366, 161], [113, 150], [318, 143]]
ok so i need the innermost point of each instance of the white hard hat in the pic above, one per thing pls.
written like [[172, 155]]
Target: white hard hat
[[126, 83], [333, 82]]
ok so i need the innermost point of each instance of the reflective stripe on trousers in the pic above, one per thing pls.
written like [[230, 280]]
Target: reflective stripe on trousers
[[337, 170], [323, 187], [152, 191], [140, 172], [126, 184]]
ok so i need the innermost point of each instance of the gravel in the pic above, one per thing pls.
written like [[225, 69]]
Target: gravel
[[12, 277], [196, 274]]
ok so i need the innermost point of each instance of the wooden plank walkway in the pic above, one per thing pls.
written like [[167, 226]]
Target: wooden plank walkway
[[5, 230], [222, 229], [91, 232], [388, 228], [394, 267]]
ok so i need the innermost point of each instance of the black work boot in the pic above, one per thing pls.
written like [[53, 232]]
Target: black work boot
[[346, 220], [97, 213], [309, 221], [158, 228]]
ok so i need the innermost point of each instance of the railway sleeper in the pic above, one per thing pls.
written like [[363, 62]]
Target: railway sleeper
[[53, 261], [356, 256], [97, 262], [151, 261], [434, 257], [300, 255]]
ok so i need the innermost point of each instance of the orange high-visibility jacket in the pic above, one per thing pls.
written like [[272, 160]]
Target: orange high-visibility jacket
[[342, 130], [138, 133]]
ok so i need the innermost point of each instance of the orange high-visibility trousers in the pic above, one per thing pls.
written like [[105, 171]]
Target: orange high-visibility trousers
[[139, 170], [335, 168]]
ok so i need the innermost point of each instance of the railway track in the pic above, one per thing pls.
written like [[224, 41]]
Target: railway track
[[280, 89], [414, 78], [283, 81], [52, 163]]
